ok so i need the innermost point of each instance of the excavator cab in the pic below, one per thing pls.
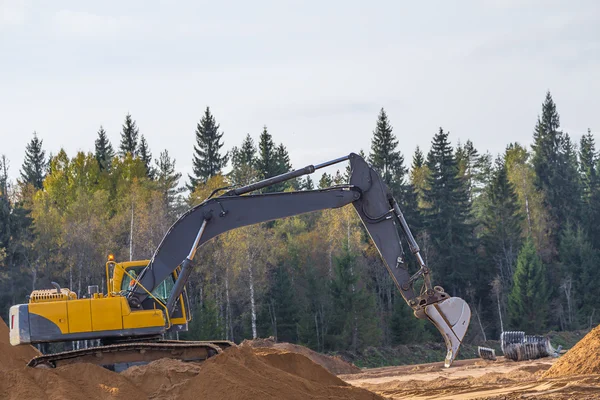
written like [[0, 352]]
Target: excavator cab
[[122, 277]]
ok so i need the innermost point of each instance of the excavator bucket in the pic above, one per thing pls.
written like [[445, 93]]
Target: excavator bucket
[[451, 317]]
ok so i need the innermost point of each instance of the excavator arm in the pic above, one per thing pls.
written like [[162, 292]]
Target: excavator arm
[[373, 202]]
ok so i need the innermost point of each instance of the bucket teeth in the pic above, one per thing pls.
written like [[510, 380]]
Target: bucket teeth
[[486, 353]]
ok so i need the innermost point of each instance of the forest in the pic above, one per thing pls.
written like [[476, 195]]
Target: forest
[[514, 234]]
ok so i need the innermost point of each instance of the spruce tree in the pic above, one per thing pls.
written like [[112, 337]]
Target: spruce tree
[[245, 154], [588, 162], [384, 157], [418, 159], [167, 179], [579, 276], [35, 166], [446, 216], [208, 160], [325, 181], [418, 175], [267, 162], [283, 160], [555, 166], [146, 157], [129, 137], [308, 184], [104, 151], [502, 221], [283, 305], [243, 160], [528, 299], [353, 323]]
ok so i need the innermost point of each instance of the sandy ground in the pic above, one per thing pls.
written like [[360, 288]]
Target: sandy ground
[[475, 379]]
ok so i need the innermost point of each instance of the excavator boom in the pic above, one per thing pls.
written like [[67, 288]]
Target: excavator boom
[[374, 204], [129, 320]]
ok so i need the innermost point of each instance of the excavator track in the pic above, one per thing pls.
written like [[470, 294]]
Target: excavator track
[[133, 353]]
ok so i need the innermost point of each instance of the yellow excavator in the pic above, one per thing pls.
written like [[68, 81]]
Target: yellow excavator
[[146, 299]]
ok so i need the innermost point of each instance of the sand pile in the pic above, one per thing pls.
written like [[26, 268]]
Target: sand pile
[[244, 372], [335, 365], [13, 356], [240, 372], [83, 381], [583, 358]]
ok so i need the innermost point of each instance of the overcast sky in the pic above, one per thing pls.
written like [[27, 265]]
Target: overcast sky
[[315, 72]]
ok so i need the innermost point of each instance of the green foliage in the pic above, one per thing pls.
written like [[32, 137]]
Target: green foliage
[[129, 137], [555, 164], [167, 180], [34, 166], [384, 157], [325, 181], [405, 327], [316, 279], [244, 163], [528, 299], [272, 160], [354, 325], [446, 215], [502, 221], [579, 277], [104, 150], [208, 160], [146, 157]]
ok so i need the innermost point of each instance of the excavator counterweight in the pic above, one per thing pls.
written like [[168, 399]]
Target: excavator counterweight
[[146, 299]]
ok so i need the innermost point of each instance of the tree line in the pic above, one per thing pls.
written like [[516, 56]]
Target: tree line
[[516, 234]]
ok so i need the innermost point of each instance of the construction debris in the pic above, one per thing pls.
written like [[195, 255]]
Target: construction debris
[[486, 353], [518, 347]]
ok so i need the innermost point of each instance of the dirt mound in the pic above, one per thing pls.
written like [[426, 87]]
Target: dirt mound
[[238, 373], [13, 356], [583, 358], [335, 365], [245, 372]]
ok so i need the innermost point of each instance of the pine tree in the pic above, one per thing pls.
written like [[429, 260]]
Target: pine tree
[[246, 154], [588, 162], [272, 160], [283, 305], [34, 167], [555, 166], [579, 277], [243, 160], [528, 299], [146, 157], [5, 207], [167, 179], [267, 163], [308, 184], [208, 160], [446, 216], [502, 221], [418, 176], [4, 166], [384, 157], [283, 160], [129, 137], [104, 150], [325, 181], [353, 322]]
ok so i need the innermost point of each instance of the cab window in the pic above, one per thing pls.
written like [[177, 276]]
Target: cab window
[[161, 292]]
